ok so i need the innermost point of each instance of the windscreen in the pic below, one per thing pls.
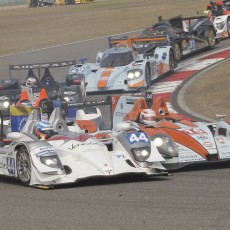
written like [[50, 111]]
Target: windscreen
[[116, 59]]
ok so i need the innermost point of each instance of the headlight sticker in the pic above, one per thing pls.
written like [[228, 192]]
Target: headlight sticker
[[45, 151], [136, 137]]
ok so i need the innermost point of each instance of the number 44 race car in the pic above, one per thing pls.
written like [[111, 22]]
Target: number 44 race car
[[122, 68], [67, 157]]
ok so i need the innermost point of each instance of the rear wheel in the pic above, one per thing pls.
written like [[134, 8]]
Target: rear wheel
[[147, 76], [23, 166], [228, 26], [211, 38], [82, 91], [171, 61], [177, 52]]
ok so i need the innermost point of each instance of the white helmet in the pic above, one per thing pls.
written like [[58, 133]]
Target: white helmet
[[148, 117]]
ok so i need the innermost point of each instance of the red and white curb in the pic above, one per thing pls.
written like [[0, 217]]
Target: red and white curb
[[166, 86]]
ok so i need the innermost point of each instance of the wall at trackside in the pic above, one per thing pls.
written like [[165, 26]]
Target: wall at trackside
[[12, 2]]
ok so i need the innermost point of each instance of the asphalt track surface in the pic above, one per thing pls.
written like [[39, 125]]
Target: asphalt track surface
[[196, 198]]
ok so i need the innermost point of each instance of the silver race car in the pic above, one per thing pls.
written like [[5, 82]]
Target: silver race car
[[122, 68]]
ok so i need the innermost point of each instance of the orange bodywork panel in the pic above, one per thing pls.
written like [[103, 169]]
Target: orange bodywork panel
[[188, 123], [161, 109], [129, 42], [91, 126], [168, 124], [134, 114], [102, 82], [187, 141]]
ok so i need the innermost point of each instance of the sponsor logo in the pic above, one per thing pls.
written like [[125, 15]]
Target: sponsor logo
[[130, 101], [45, 151], [120, 114], [10, 165], [202, 138], [194, 131], [208, 144]]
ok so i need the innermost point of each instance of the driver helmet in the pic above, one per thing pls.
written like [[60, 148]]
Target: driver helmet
[[148, 117], [31, 82], [43, 130]]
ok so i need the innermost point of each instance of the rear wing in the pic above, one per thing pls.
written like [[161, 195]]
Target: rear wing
[[136, 42], [39, 66], [182, 22]]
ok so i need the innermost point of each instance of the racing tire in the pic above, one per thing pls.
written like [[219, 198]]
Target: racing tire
[[172, 62], [177, 52], [211, 38], [228, 26], [23, 166], [147, 76], [83, 91]]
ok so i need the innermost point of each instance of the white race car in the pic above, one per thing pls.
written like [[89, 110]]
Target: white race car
[[222, 26], [121, 68], [69, 156]]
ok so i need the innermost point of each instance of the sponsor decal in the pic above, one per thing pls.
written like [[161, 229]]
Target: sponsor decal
[[193, 131], [120, 156], [10, 165], [104, 79], [42, 65], [130, 101], [137, 137], [202, 138], [120, 114], [220, 140], [208, 144], [45, 151], [74, 146], [164, 56]]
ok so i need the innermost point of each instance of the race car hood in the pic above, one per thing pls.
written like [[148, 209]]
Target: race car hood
[[107, 77], [195, 136]]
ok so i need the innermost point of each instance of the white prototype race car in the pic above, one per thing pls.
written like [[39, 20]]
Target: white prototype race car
[[121, 68], [67, 156]]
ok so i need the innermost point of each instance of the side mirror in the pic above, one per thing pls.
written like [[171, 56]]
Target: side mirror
[[123, 126]]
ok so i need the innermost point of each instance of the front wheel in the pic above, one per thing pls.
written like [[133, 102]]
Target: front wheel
[[172, 62], [228, 26], [23, 166], [211, 38], [82, 93], [177, 52]]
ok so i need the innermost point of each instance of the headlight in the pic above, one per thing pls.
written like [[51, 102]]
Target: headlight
[[141, 154], [158, 141], [51, 161], [67, 99], [134, 74], [165, 145], [130, 76], [6, 104]]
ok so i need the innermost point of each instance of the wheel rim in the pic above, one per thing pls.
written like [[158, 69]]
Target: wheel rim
[[211, 38], [177, 52], [83, 90], [23, 166], [228, 27], [171, 62]]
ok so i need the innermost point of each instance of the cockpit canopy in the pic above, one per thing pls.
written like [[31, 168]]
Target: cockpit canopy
[[116, 56]]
